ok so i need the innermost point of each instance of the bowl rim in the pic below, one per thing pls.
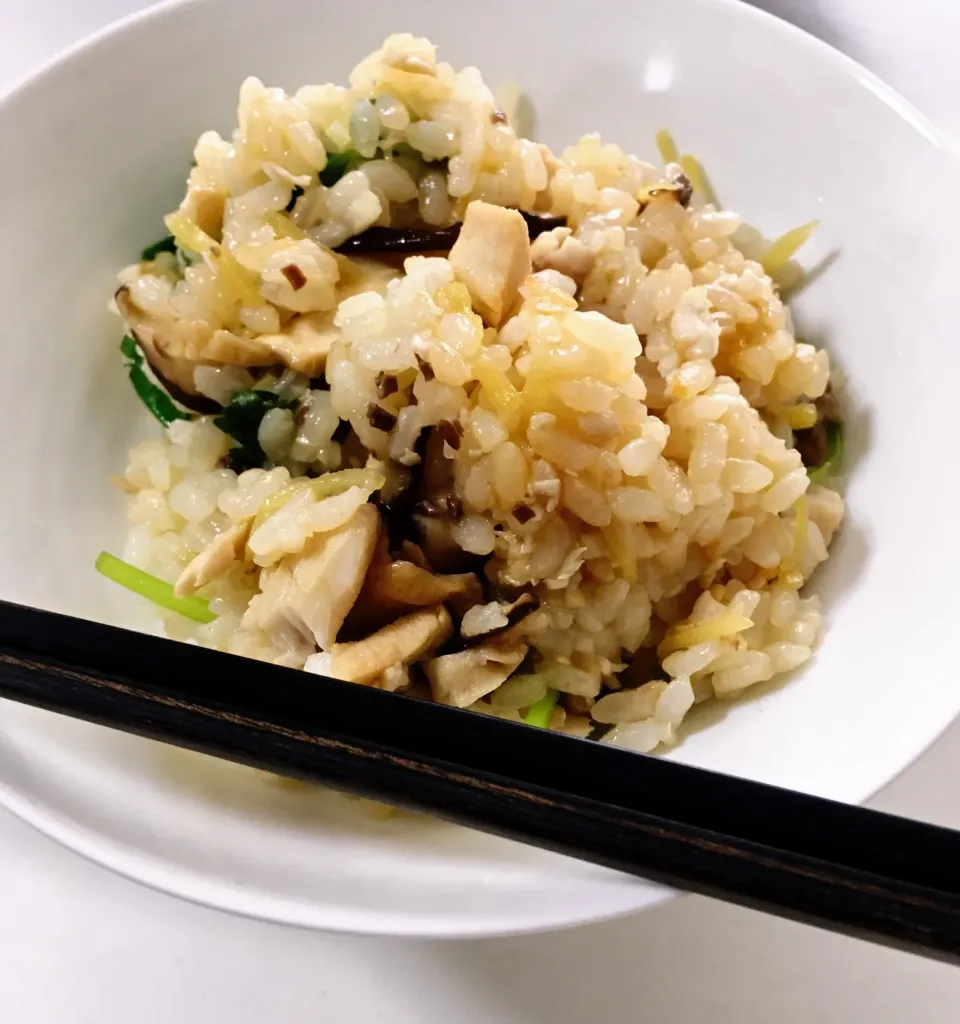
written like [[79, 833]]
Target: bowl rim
[[153, 871]]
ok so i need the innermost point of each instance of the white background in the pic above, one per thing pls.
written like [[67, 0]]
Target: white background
[[80, 946]]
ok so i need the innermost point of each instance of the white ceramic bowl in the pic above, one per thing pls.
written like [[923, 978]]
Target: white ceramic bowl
[[95, 151]]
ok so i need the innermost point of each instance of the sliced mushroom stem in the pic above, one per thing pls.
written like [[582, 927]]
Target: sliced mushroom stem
[[175, 374], [461, 679], [401, 643]]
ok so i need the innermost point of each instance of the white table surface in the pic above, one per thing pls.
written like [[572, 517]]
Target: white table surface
[[81, 946]]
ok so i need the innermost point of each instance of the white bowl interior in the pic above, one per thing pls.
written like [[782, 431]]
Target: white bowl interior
[[788, 130]]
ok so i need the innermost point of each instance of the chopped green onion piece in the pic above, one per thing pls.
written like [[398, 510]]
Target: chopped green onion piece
[[668, 148], [831, 463], [151, 588], [152, 395], [165, 244], [539, 713], [782, 249], [698, 179]]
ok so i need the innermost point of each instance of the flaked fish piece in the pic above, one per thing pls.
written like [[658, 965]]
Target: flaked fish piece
[[492, 258], [308, 595], [461, 679], [401, 643], [305, 342], [215, 559]]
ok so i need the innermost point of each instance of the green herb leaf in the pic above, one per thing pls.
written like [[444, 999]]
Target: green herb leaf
[[539, 714], [241, 421], [152, 395], [156, 590], [338, 164], [831, 463], [165, 244]]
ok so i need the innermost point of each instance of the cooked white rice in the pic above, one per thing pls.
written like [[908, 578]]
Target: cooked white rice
[[613, 435]]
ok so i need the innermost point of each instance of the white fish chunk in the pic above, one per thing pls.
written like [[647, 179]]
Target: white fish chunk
[[308, 595], [492, 258], [215, 559]]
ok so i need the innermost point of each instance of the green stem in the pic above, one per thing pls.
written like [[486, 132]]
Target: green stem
[[153, 589], [539, 714]]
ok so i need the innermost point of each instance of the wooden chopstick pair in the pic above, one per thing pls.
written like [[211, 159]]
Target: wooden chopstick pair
[[837, 866]]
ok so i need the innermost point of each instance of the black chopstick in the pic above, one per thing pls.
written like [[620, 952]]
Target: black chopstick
[[841, 867]]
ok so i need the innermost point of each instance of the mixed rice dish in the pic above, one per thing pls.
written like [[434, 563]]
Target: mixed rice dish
[[448, 414]]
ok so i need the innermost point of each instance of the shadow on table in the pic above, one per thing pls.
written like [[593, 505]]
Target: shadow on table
[[703, 962], [691, 961]]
